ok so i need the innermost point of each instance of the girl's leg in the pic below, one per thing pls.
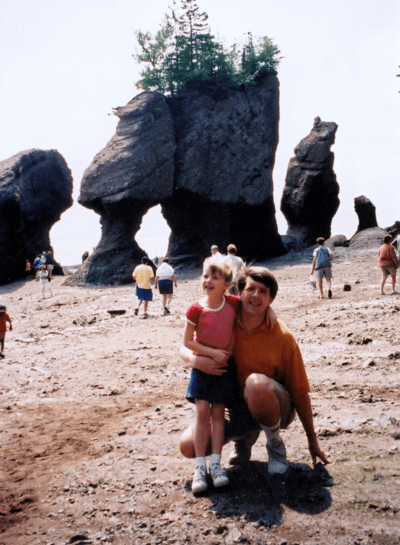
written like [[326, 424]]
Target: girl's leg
[[217, 428], [164, 300], [218, 474], [48, 285], [393, 281], [201, 436], [42, 288], [169, 297], [202, 427]]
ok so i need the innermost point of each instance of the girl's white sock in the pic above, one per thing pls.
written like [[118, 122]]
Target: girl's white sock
[[215, 459], [201, 461]]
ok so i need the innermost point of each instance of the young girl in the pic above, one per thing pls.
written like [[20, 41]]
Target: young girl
[[4, 318], [209, 332]]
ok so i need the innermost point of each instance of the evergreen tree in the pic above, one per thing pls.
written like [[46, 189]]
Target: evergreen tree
[[183, 55]]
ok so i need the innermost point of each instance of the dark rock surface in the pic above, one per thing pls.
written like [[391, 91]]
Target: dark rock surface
[[368, 238], [366, 213], [207, 159], [310, 196], [35, 189], [337, 241], [394, 229]]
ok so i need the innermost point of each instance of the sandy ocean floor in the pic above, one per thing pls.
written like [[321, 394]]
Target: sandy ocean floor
[[92, 406]]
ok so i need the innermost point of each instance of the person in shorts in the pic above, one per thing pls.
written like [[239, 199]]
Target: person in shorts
[[388, 263], [322, 265], [165, 280], [142, 275], [50, 263]]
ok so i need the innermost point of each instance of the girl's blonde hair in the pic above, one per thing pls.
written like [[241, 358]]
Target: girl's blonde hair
[[220, 266]]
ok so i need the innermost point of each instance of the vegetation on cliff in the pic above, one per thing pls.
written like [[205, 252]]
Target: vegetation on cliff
[[183, 55]]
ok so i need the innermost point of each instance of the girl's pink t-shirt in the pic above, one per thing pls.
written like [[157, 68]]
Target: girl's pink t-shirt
[[214, 326]]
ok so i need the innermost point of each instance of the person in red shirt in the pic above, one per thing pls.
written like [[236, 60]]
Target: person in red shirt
[[4, 318], [388, 263], [271, 377]]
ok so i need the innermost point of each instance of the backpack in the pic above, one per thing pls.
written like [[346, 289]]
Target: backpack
[[322, 258]]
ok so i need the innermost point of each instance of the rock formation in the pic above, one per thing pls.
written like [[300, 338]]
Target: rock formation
[[207, 159], [35, 189], [394, 230], [310, 196], [368, 238], [366, 213]]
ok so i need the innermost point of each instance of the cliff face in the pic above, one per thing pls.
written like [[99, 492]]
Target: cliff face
[[207, 159], [35, 189], [310, 196]]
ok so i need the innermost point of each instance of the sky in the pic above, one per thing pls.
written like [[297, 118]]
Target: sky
[[64, 64]]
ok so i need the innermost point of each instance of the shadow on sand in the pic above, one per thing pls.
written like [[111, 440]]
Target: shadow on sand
[[261, 497]]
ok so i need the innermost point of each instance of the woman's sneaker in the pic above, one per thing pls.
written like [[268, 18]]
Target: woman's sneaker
[[199, 483], [218, 476]]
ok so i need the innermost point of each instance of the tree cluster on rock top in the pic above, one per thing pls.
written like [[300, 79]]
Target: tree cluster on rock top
[[184, 56]]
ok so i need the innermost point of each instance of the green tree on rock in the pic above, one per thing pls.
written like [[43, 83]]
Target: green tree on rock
[[184, 55]]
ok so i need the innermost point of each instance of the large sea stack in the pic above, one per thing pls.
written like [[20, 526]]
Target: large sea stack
[[366, 212], [206, 158], [35, 189], [310, 196]]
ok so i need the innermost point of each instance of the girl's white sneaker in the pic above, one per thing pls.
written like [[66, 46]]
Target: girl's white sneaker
[[199, 483], [218, 476]]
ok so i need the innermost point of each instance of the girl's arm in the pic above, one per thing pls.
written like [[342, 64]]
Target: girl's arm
[[202, 363], [215, 353]]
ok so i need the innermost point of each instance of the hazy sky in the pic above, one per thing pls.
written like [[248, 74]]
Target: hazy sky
[[64, 64]]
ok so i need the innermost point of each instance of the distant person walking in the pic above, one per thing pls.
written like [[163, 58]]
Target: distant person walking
[[237, 265], [4, 318], [36, 265], [322, 265], [28, 269], [215, 253], [85, 255], [165, 280], [388, 262], [44, 281], [142, 275], [50, 263]]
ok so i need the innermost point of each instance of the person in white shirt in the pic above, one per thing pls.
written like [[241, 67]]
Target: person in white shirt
[[237, 266], [215, 253], [165, 280]]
